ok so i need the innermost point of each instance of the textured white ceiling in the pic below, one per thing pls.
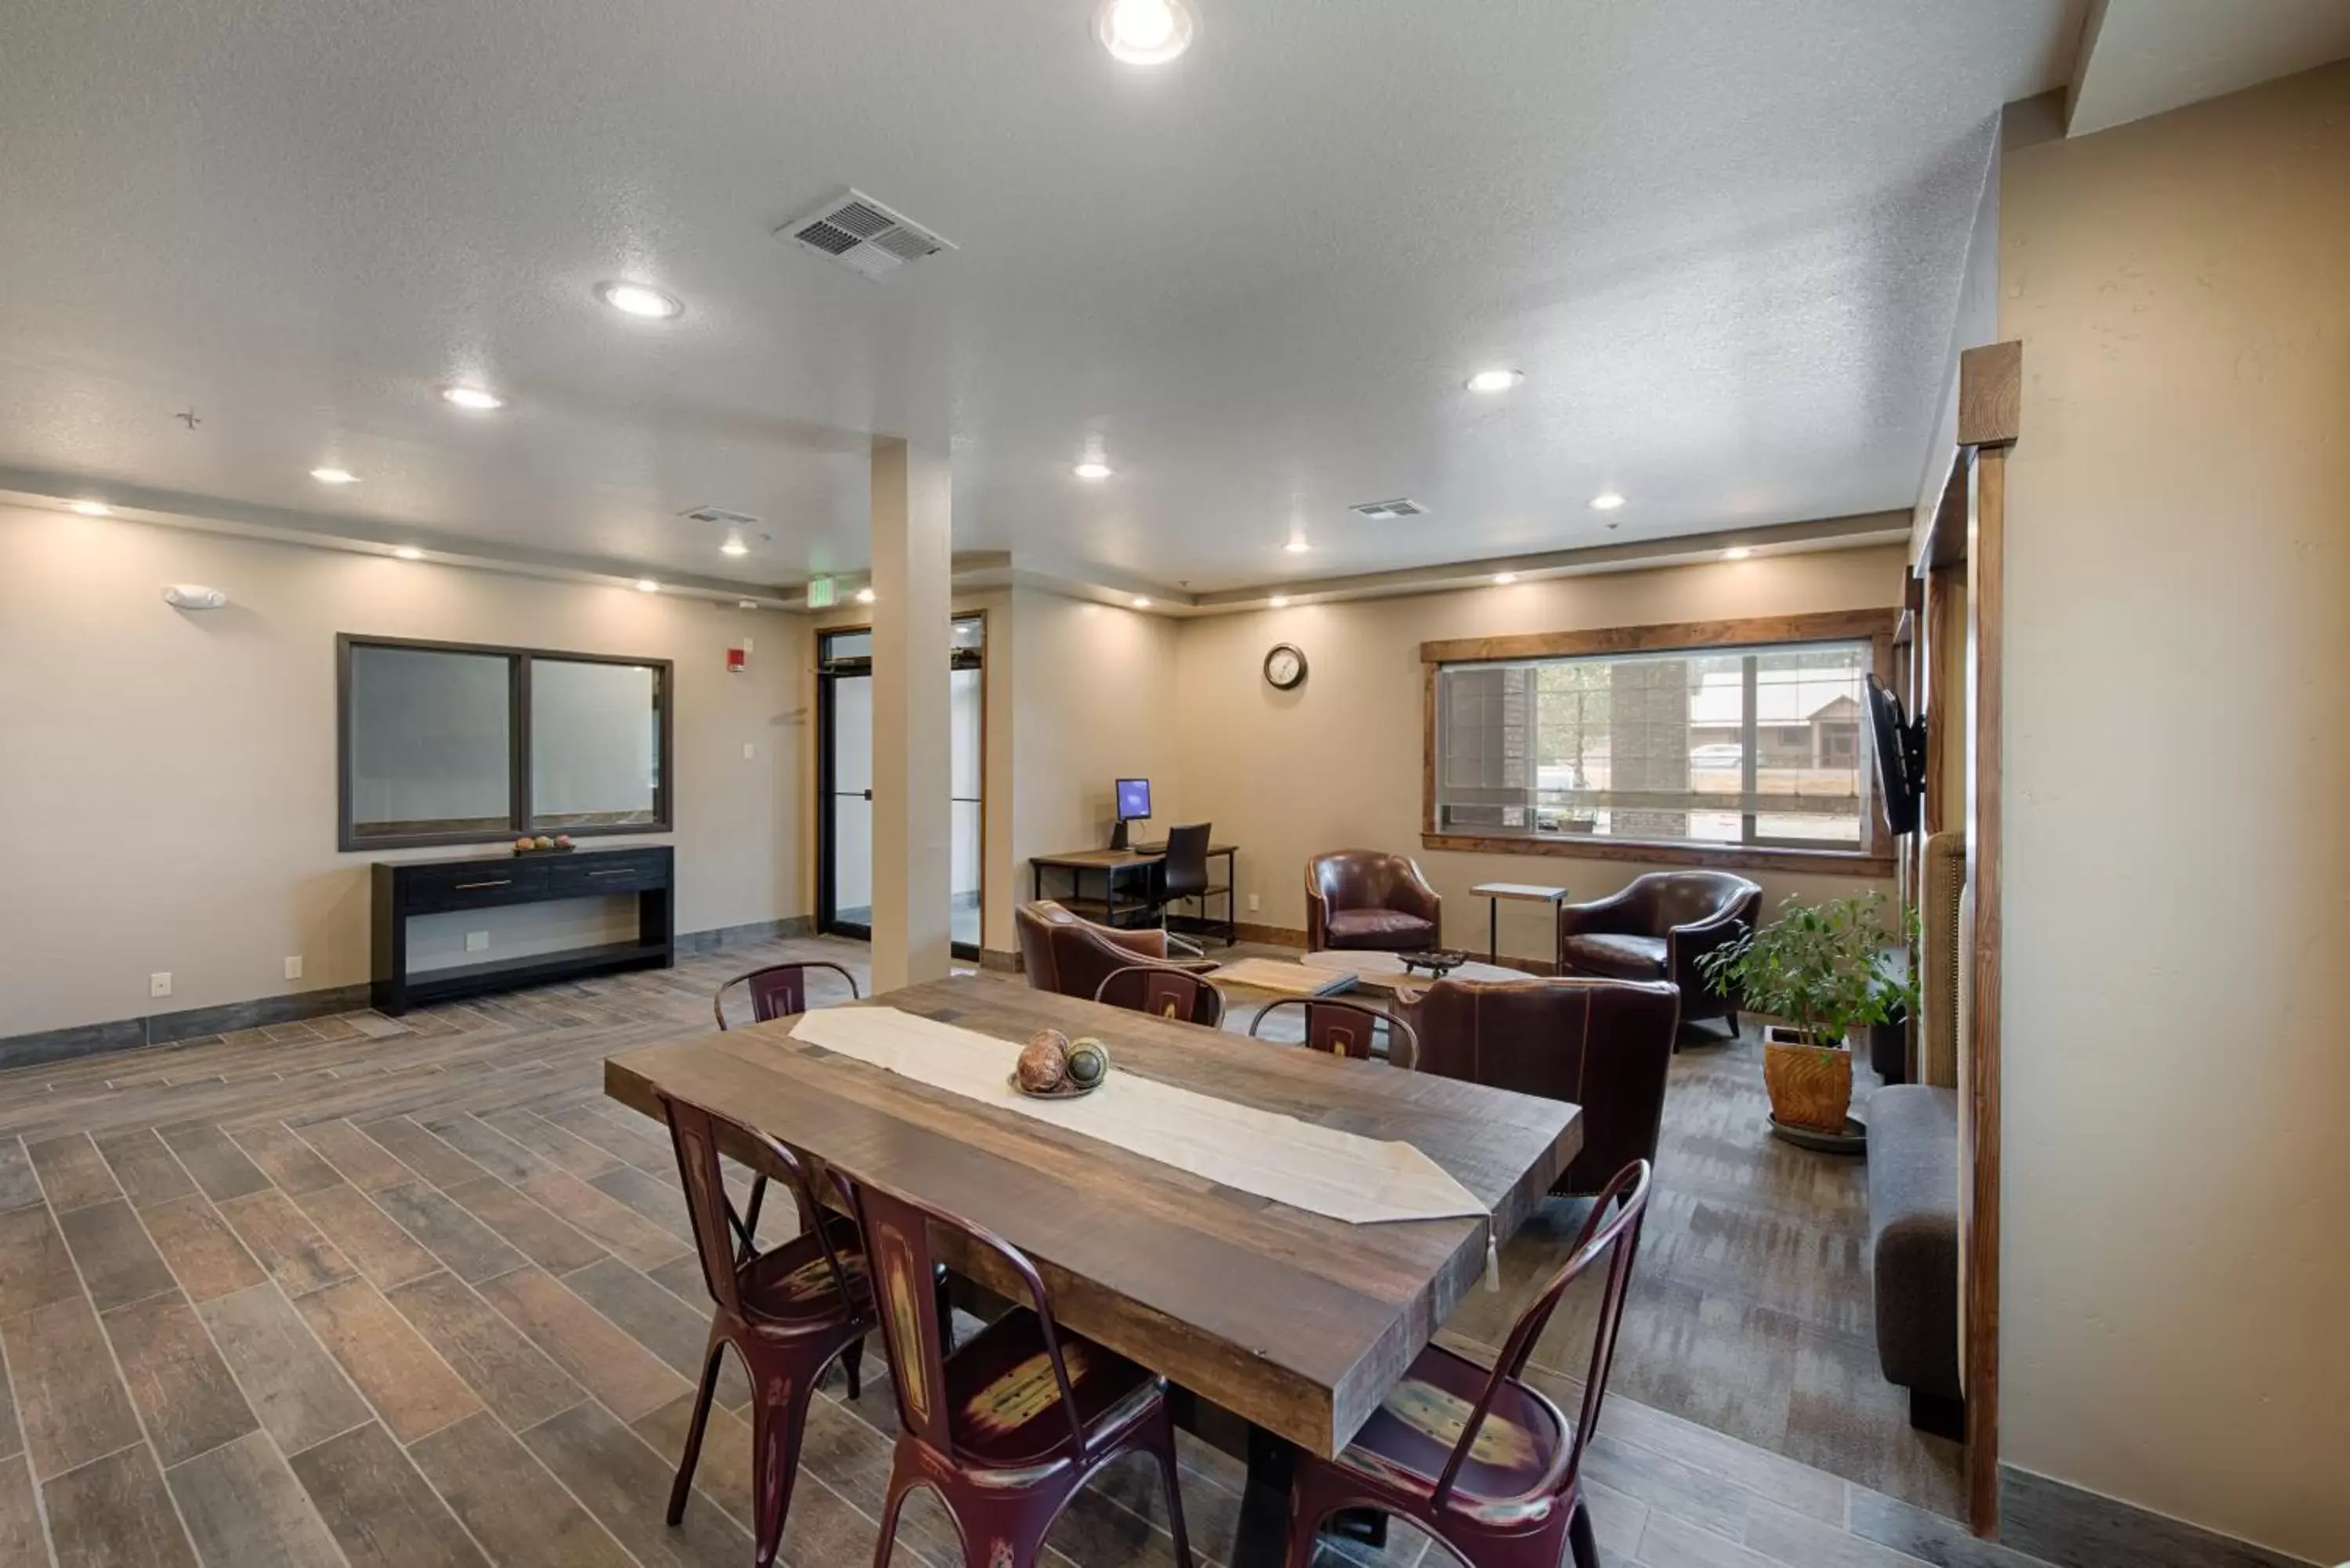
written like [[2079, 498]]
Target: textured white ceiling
[[1721, 239], [2146, 57]]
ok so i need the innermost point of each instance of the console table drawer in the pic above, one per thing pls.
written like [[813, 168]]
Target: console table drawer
[[473, 887], [607, 874]]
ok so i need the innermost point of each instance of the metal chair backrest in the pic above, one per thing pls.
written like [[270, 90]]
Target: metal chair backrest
[[777, 991], [1346, 1028], [1164, 993], [1612, 1231], [724, 1240], [898, 1248]]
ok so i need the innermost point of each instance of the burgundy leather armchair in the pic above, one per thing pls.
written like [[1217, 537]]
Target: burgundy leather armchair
[[1071, 956], [1656, 929], [1604, 1045], [1365, 898]]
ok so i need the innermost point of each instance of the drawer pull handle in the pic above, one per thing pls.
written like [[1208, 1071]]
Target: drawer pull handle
[[616, 871], [498, 882]]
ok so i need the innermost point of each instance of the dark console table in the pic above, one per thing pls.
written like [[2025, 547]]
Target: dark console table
[[407, 888]]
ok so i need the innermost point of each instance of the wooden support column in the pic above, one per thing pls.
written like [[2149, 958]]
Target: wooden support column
[[912, 568], [1991, 397]]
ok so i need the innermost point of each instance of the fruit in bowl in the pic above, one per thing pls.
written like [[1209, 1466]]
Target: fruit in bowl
[[563, 841], [524, 846], [542, 841]]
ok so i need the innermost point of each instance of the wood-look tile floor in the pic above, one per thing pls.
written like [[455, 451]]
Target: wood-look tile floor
[[372, 1292]]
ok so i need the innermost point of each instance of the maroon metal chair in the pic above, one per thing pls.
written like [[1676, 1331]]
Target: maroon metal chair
[[1472, 1455], [789, 1312], [1009, 1428], [1168, 993], [778, 991], [1346, 1028]]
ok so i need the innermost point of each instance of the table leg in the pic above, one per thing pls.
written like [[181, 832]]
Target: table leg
[[1493, 930]]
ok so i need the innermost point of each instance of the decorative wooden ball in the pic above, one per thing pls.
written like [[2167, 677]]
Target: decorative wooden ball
[[1088, 1063], [1044, 1061]]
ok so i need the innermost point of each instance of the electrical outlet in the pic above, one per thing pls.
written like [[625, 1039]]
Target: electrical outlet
[[1255, 903], [747, 749], [160, 984], [294, 966], [477, 941]]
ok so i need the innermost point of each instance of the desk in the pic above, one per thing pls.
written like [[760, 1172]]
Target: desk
[[1294, 1321], [1116, 865]]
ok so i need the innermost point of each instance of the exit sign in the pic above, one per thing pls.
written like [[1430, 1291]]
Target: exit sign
[[821, 593]]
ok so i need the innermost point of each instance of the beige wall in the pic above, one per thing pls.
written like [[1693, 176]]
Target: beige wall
[[1337, 763], [1093, 699], [169, 778], [2176, 1258]]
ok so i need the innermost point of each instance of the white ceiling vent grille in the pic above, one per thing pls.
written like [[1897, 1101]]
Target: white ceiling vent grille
[[1388, 511], [720, 516], [863, 235]]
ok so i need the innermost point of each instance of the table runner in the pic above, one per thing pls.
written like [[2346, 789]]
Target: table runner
[[1344, 1175]]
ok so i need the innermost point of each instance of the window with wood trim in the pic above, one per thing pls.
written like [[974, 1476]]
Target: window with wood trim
[[1729, 747]]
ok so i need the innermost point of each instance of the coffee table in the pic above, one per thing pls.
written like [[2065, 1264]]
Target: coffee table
[[1385, 972]]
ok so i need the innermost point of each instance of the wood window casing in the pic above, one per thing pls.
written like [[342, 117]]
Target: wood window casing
[[1875, 858]]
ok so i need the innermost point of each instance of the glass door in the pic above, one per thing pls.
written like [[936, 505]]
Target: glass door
[[844, 785], [845, 790]]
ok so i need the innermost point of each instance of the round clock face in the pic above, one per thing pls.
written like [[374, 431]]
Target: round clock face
[[1284, 668]]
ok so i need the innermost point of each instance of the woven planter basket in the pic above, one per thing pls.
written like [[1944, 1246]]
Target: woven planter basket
[[1811, 1085]]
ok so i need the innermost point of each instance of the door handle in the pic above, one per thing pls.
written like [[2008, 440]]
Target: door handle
[[869, 794]]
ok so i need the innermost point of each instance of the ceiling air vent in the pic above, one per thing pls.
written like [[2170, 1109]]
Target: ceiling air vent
[[863, 235], [1388, 511], [720, 516]]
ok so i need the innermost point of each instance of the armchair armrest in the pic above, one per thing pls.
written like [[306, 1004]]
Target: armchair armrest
[[1418, 895], [1685, 944], [1614, 915]]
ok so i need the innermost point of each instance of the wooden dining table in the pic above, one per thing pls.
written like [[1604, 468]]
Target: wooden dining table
[[1298, 1322]]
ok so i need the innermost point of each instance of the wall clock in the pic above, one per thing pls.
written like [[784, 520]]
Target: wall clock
[[1284, 668]]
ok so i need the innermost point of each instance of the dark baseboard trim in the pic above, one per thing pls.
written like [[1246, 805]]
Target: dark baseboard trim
[[718, 937], [2048, 1518], [165, 1028]]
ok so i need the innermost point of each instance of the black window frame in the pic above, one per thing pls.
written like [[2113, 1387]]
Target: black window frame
[[518, 743]]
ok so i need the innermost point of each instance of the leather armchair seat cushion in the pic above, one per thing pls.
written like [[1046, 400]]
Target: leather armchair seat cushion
[[1387, 931], [1614, 956]]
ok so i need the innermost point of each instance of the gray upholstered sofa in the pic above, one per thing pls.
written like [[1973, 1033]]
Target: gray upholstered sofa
[[1913, 1237]]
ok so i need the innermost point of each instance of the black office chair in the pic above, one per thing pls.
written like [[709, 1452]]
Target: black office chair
[[1183, 875]]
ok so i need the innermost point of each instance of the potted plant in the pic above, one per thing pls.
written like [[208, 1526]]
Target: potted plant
[[1817, 968]]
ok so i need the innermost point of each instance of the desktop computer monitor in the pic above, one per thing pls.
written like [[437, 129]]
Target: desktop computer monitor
[[1133, 805]]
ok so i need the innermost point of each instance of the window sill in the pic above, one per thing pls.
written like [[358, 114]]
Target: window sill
[[1725, 856]]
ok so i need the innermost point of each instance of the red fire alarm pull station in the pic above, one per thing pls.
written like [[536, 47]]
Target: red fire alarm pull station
[[738, 660]]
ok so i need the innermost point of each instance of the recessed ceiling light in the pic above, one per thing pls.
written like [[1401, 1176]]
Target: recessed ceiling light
[[733, 546], [409, 553], [647, 586], [1142, 601], [864, 596], [333, 477], [90, 508], [1739, 553], [747, 604], [474, 398], [1279, 601], [1506, 578], [1092, 468], [1606, 501], [1297, 547], [1496, 381], [1144, 32], [641, 300]]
